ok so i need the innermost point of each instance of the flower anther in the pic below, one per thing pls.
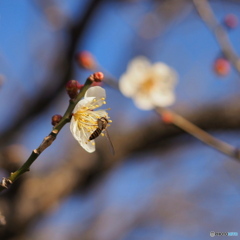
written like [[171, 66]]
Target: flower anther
[[85, 118]]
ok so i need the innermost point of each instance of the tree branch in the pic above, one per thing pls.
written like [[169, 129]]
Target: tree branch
[[200, 134], [80, 173], [64, 70], [205, 12], [47, 141]]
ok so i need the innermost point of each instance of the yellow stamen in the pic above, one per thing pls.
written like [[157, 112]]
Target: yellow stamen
[[147, 86]]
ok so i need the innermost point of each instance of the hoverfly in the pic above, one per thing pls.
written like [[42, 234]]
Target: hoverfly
[[102, 125]]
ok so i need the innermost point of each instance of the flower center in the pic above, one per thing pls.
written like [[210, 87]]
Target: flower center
[[146, 86], [86, 119]]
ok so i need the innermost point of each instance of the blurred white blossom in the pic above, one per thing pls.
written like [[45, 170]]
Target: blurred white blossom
[[149, 85], [84, 119]]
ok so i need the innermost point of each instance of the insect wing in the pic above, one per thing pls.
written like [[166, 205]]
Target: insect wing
[[100, 124], [110, 142]]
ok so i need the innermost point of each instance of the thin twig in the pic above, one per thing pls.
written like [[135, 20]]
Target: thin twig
[[47, 141], [62, 72], [205, 12], [192, 129], [200, 134]]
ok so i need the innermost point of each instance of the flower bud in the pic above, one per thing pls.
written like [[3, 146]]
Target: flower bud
[[72, 88], [86, 60], [167, 117], [221, 66], [56, 119], [98, 76], [231, 21]]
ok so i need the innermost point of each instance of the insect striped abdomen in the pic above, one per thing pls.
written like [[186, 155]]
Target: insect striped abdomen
[[95, 134]]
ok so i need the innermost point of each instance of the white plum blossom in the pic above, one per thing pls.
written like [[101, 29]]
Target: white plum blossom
[[84, 119], [149, 85]]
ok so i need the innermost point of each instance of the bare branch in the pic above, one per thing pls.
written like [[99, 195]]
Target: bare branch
[[200, 134], [47, 141], [64, 70], [207, 15], [79, 173]]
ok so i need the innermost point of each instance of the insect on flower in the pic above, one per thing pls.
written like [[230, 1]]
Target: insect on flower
[[86, 120], [102, 125]]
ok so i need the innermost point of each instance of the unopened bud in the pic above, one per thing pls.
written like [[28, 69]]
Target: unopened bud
[[167, 117], [231, 21], [72, 88], [221, 67], [86, 60], [56, 119], [96, 77]]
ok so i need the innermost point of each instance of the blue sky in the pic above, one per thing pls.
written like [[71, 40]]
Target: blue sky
[[193, 172]]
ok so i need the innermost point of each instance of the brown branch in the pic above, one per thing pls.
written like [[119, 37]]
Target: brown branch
[[207, 15], [64, 69], [47, 141], [79, 173], [198, 133]]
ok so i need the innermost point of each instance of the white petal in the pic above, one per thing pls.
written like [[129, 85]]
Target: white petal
[[97, 92], [161, 68], [98, 114], [83, 103], [143, 103], [127, 86], [138, 70], [89, 146], [74, 128], [164, 74], [82, 137], [129, 83], [163, 99], [138, 64]]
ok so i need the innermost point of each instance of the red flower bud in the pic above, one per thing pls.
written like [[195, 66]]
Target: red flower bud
[[98, 76], [56, 119], [86, 60], [167, 117], [231, 21], [72, 88], [221, 67]]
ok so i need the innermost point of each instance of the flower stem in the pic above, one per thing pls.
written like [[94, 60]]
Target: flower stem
[[48, 140], [200, 134]]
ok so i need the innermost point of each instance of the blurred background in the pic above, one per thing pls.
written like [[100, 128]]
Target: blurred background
[[161, 183]]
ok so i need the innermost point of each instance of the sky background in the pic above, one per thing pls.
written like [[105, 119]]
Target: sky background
[[180, 194]]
